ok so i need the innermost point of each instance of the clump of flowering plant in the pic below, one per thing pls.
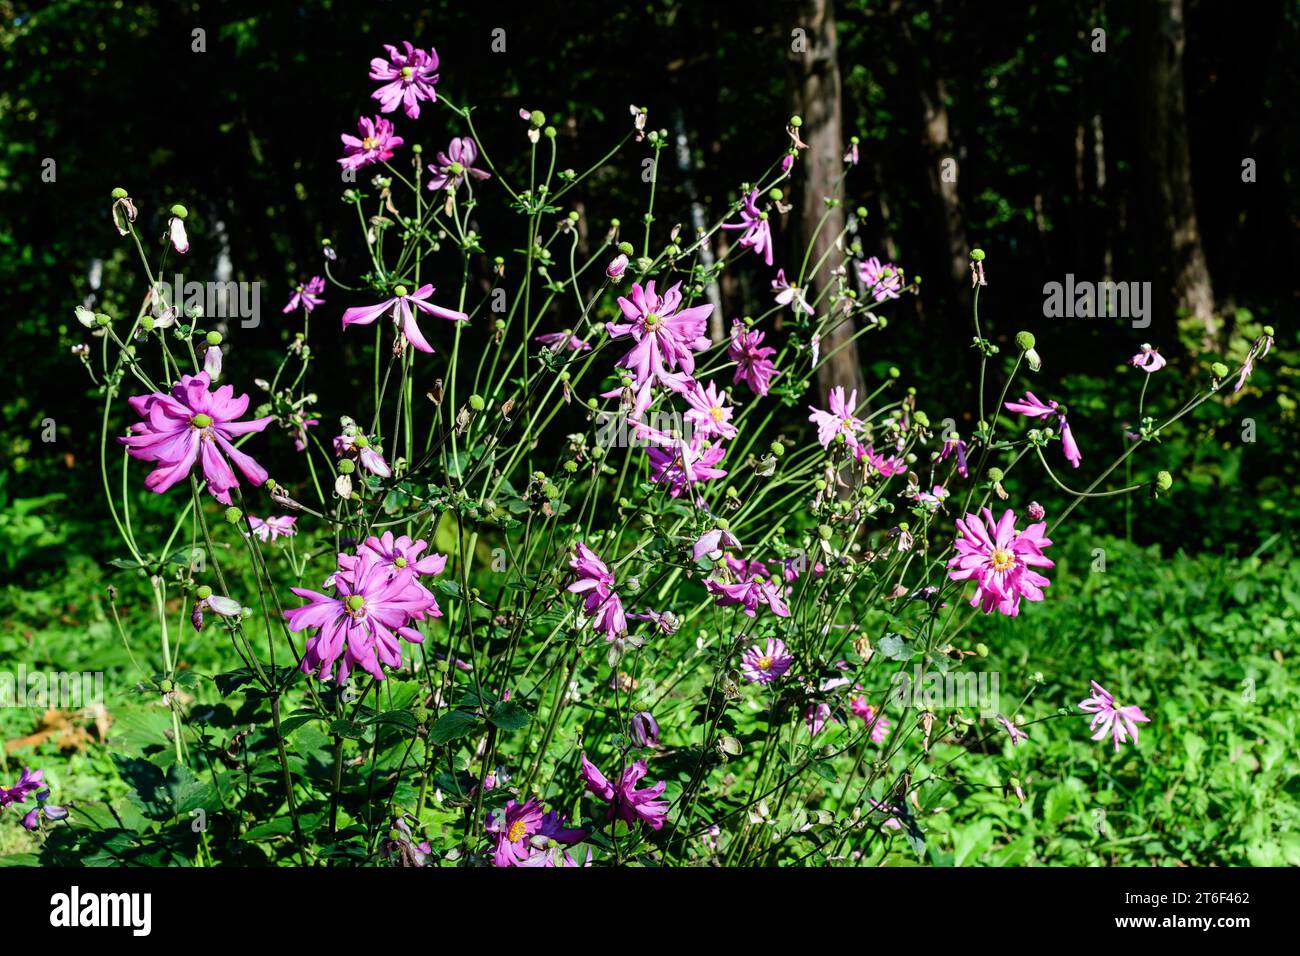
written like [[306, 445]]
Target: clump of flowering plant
[[583, 528]]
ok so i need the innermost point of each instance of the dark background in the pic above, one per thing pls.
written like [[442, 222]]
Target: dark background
[[1123, 164]]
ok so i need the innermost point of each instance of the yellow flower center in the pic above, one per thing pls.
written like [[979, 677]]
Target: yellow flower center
[[764, 662], [1003, 560], [716, 412], [370, 142], [516, 831]]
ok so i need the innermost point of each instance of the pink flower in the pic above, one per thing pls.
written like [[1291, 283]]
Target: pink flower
[[524, 832], [28, 783], [749, 592], [882, 281], [408, 78], [300, 432], [932, 499], [666, 338], [958, 446], [840, 418], [816, 715], [375, 145], [401, 554], [352, 444], [709, 412], [359, 625], [753, 361], [192, 424], [279, 526], [885, 467], [762, 665], [682, 465], [712, 543], [875, 722], [1120, 722], [758, 231], [307, 295], [1001, 560], [596, 582], [617, 266], [1036, 511], [644, 729], [455, 164], [1148, 360], [557, 341], [626, 802], [403, 315], [1014, 732], [791, 295], [1031, 406]]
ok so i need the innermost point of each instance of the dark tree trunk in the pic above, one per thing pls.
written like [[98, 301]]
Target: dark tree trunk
[[1172, 239], [820, 171]]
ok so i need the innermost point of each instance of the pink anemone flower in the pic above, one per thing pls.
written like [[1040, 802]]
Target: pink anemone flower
[[840, 418], [408, 78], [626, 802], [403, 314], [753, 360], [193, 424], [758, 231], [1110, 719], [1001, 560], [375, 144]]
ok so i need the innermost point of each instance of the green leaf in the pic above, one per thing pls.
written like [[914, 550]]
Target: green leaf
[[453, 724], [509, 715]]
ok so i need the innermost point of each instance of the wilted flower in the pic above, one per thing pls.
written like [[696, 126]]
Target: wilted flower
[[791, 295], [764, 664], [1015, 733], [403, 315], [306, 294], [278, 526], [189, 424], [176, 233], [713, 543], [1148, 360], [355, 445], [408, 78], [1031, 406], [1001, 560], [955, 444], [558, 341]]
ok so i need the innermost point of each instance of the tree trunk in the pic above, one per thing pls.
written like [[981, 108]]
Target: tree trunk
[[820, 171], [1173, 239]]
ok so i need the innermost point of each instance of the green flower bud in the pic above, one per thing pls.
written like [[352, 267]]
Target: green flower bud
[[820, 484], [894, 372], [1219, 369], [824, 532], [361, 441], [417, 149], [476, 402], [982, 650], [1025, 341], [102, 318], [777, 449], [626, 248], [537, 118], [593, 403], [571, 466], [147, 323], [120, 193], [179, 211], [214, 338], [1268, 330], [995, 474], [399, 290], [977, 255], [722, 524], [550, 491], [203, 593], [549, 132], [1164, 481], [234, 515], [346, 467], [776, 194], [796, 121]]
